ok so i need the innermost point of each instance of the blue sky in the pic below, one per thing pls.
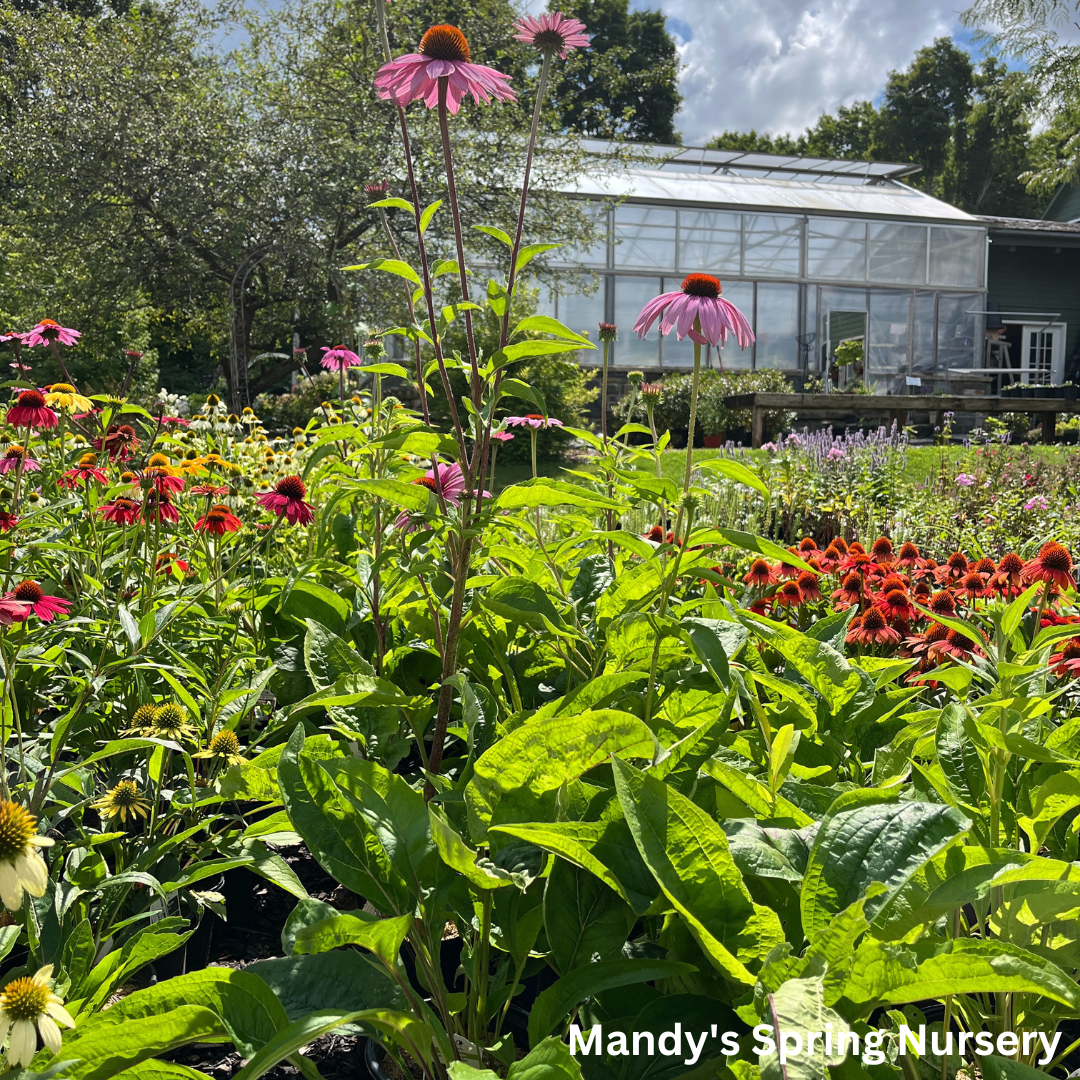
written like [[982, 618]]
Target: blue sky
[[776, 65]]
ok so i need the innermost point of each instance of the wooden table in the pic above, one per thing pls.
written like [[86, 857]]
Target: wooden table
[[897, 406]]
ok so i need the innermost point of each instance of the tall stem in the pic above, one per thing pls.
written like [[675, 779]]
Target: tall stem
[[693, 417], [603, 394]]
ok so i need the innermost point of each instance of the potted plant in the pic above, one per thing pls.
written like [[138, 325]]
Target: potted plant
[[850, 354]]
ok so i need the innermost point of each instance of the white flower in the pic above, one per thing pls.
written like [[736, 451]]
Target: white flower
[[21, 867], [27, 1002]]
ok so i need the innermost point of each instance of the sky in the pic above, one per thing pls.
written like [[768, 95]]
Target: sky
[[776, 65]]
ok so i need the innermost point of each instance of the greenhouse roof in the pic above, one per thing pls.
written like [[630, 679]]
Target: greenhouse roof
[[785, 183]]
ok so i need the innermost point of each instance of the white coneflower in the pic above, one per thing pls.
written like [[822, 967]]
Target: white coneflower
[[21, 866], [27, 1002]]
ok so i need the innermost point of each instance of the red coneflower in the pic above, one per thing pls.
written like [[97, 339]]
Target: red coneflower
[[120, 442], [760, 607], [84, 472], [955, 644], [121, 511], [158, 506], [850, 592], [789, 595], [919, 644], [956, 566], [46, 608], [908, 555], [170, 562], [655, 534], [984, 566], [30, 411], [1053, 565], [1008, 578], [840, 544], [942, 603], [786, 570], [873, 629], [161, 476], [288, 498], [896, 606], [209, 490], [972, 587], [857, 561], [219, 520], [1067, 661], [8, 520], [921, 591], [830, 560], [807, 544], [894, 581], [925, 570], [760, 574], [882, 551], [809, 587]]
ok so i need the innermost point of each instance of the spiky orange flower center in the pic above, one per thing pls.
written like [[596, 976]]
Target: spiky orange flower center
[[445, 42], [28, 592], [1071, 649], [292, 487], [17, 825], [88, 461], [219, 514], [1055, 557], [959, 641], [1011, 564], [909, 551], [25, 998], [957, 561], [701, 285], [942, 604], [15, 452], [882, 546], [873, 619], [31, 399]]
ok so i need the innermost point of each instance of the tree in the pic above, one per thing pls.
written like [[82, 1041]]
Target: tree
[[626, 84]]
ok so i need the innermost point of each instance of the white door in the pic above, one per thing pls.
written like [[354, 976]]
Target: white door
[[1042, 354]]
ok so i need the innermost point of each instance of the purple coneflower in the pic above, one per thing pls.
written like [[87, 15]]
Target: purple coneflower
[[47, 331], [533, 420], [339, 358], [552, 32], [698, 310], [14, 456]]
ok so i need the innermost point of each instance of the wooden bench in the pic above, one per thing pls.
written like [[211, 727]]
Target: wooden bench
[[896, 406]]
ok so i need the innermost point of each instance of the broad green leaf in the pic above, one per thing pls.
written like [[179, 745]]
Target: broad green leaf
[[754, 795], [390, 266], [453, 851], [585, 920], [883, 843], [521, 601], [735, 470], [498, 234], [545, 324], [397, 204], [758, 545], [1013, 615], [530, 251], [959, 757], [328, 657], [365, 690], [798, 1007], [565, 994], [543, 492], [408, 496], [160, 1070], [518, 778], [522, 390], [383, 937], [428, 214], [688, 855]]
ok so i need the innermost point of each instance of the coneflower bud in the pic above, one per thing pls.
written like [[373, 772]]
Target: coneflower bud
[[608, 331]]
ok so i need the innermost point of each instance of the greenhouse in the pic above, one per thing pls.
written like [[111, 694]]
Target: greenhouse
[[817, 250]]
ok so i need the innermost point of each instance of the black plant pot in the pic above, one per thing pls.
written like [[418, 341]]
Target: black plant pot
[[1070, 392], [1029, 392]]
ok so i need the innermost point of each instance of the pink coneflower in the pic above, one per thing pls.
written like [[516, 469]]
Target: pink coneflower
[[11, 611], [972, 587], [807, 544], [30, 593], [14, 456], [443, 54], [829, 560], [47, 331], [533, 420], [209, 490], [160, 478], [954, 568], [377, 189], [552, 32], [447, 480], [30, 411], [339, 358], [697, 303], [502, 436], [955, 644], [218, 520], [158, 506], [120, 442], [910, 556], [288, 498], [121, 511]]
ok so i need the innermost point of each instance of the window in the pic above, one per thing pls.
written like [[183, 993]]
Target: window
[[898, 253], [594, 254], [710, 242], [956, 256], [922, 357], [644, 237], [956, 329], [890, 314], [631, 295], [836, 249], [580, 311], [772, 245], [776, 326]]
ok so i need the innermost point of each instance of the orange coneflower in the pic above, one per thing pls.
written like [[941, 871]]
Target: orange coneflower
[[942, 603], [897, 607], [972, 587], [1053, 565], [809, 587], [786, 570], [850, 592], [840, 544], [1008, 578], [984, 566], [919, 644], [789, 595], [807, 544], [955, 567], [760, 574], [955, 644], [909, 555], [218, 520], [894, 581], [882, 551], [830, 560], [873, 629], [1067, 662]]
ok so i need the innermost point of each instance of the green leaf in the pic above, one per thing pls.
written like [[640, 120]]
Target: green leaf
[[530, 251], [959, 757], [1013, 615], [428, 214], [754, 795], [383, 937], [543, 492], [585, 920], [408, 496], [735, 470], [704, 636], [498, 234], [882, 842], [517, 388], [688, 855], [108, 1049], [365, 690], [521, 602], [390, 266], [760, 546], [397, 204], [460, 857], [544, 324], [518, 779], [562, 996], [328, 657], [160, 1070], [798, 1006]]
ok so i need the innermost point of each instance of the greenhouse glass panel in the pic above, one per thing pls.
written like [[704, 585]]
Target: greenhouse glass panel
[[710, 241], [836, 249], [777, 326], [898, 253], [772, 245], [594, 254], [922, 357], [889, 332], [631, 295], [956, 256], [644, 237], [957, 330], [583, 312]]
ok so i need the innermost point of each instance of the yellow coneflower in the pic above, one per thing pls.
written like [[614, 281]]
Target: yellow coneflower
[[224, 746], [67, 398], [159, 461], [170, 722], [26, 1003], [122, 801], [22, 869], [142, 720]]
